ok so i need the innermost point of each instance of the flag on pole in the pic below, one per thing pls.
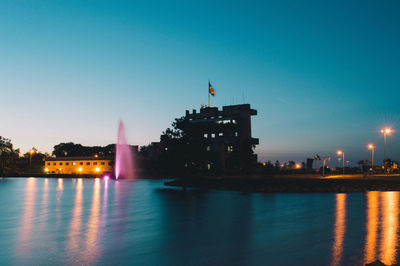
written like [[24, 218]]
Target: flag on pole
[[211, 89]]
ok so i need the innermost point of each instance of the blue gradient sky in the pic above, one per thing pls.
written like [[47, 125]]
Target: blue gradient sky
[[322, 75]]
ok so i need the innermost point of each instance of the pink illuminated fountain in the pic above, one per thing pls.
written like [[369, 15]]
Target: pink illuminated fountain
[[123, 156]]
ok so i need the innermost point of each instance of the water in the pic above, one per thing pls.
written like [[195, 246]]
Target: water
[[82, 221], [123, 155]]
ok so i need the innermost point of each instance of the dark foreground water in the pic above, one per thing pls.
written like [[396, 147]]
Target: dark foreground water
[[81, 221]]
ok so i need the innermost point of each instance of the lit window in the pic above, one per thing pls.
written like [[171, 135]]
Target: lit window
[[213, 135], [236, 134], [73, 163], [208, 148], [208, 166], [205, 135], [230, 148], [221, 134]]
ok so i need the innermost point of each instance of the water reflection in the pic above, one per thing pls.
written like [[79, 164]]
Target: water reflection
[[93, 225], [390, 219], [372, 226], [75, 226], [84, 221], [27, 221], [339, 228], [382, 227]]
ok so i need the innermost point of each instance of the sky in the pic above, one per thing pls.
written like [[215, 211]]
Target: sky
[[323, 75]]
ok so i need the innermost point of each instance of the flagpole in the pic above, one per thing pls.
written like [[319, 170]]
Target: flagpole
[[209, 100]]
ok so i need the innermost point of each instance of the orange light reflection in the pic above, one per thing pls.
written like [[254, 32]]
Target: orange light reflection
[[339, 229], [390, 212], [372, 226]]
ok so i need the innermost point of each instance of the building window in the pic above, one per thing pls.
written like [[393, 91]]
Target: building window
[[236, 134], [230, 148], [66, 163], [54, 163], [88, 163], [213, 135], [61, 163], [81, 163], [95, 163], [220, 134], [208, 166], [102, 163], [205, 135], [208, 148], [73, 163], [48, 163], [109, 163]]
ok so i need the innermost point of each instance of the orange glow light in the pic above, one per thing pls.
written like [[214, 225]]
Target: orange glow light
[[370, 146], [339, 152], [386, 130]]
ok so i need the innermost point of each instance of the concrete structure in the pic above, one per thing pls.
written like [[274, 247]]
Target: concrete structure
[[78, 165], [225, 131]]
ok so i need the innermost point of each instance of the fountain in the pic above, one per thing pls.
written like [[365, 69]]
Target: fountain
[[123, 155]]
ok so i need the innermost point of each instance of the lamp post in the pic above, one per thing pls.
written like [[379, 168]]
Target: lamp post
[[31, 152], [340, 152], [385, 132], [372, 148]]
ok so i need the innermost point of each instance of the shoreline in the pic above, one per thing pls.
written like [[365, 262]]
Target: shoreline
[[290, 184]]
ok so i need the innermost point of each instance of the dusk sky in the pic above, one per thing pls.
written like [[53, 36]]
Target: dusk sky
[[322, 75]]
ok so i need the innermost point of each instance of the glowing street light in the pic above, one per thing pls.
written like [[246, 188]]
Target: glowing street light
[[372, 148], [31, 152], [340, 152], [386, 131]]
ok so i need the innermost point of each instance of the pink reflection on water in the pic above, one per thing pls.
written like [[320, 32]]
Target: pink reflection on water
[[27, 221], [76, 222], [123, 155], [93, 224]]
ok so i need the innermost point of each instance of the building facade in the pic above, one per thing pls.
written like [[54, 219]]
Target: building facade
[[78, 165], [226, 134]]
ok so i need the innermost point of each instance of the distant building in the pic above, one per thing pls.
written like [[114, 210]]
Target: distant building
[[77, 165], [227, 133]]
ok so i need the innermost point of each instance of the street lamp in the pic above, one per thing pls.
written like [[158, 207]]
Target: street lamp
[[31, 152], [386, 131], [372, 148], [340, 152]]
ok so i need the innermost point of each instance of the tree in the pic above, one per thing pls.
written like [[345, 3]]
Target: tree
[[8, 156], [71, 149]]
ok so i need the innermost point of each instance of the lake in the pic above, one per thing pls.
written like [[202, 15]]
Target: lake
[[94, 221]]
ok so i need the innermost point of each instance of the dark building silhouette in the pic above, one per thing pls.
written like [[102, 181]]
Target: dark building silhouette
[[227, 133]]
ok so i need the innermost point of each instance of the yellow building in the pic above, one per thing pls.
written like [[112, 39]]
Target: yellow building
[[78, 165]]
